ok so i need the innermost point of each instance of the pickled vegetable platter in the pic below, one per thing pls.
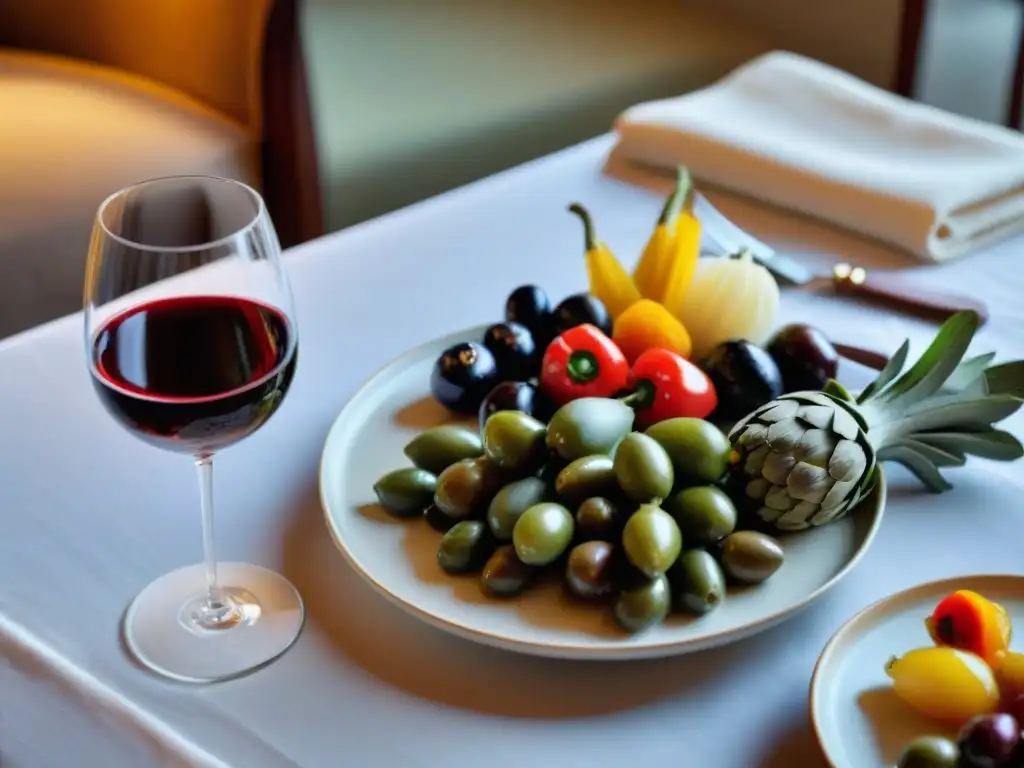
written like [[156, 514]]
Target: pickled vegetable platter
[[646, 466], [403, 558]]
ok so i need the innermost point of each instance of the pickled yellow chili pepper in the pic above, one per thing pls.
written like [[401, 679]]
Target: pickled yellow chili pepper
[[609, 282], [944, 683], [666, 268]]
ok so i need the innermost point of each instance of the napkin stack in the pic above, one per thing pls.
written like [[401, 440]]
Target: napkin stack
[[800, 134]]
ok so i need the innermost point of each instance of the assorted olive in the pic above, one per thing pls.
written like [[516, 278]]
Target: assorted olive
[[516, 396], [438, 448], [514, 349], [631, 519], [745, 377], [985, 741], [462, 377], [500, 371], [805, 357], [580, 309], [796, 358]]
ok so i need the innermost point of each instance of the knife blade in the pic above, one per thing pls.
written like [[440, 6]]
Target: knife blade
[[725, 238]]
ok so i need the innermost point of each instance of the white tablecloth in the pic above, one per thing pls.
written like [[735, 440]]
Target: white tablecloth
[[89, 515]]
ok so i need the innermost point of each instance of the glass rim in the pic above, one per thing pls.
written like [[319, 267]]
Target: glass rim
[[261, 212]]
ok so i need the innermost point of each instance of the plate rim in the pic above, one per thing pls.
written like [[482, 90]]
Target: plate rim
[[564, 651], [850, 625]]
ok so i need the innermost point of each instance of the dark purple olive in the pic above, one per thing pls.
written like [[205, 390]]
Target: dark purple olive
[[462, 377], [1016, 708], [514, 351], [745, 378], [988, 741], [582, 308], [530, 306], [589, 570], [516, 396], [805, 356]]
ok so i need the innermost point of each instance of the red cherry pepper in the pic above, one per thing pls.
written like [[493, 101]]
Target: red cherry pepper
[[668, 386], [583, 362]]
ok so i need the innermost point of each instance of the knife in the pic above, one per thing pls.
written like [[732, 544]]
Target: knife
[[846, 279]]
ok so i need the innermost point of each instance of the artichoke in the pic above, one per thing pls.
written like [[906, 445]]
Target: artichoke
[[808, 458]]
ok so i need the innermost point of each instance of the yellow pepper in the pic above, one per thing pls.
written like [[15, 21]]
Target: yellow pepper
[[666, 268], [944, 683], [648, 325], [609, 282]]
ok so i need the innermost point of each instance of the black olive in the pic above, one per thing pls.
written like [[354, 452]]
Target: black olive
[[462, 377], [516, 396], [514, 351], [745, 378], [582, 308], [530, 306], [805, 356]]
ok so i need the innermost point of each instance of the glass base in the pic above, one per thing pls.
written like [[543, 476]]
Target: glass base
[[162, 627]]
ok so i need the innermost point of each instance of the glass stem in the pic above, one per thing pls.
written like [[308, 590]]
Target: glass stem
[[217, 611]]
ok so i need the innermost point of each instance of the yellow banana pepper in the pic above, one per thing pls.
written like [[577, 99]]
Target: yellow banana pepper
[[609, 282], [669, 260]]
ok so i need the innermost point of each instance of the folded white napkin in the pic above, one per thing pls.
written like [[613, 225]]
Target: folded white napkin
[[800, 134]]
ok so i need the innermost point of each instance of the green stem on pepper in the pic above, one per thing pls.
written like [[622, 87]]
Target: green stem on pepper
[[590, 240], [641, 397], [680, 198], [583, 366]]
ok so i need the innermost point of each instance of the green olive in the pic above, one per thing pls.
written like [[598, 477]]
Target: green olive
[[704, 514], [698, 586], [405, 492], [465, 547], [597, 519], [438, 448], [588, 426], [504, 574], [698, 449], [514, 441], [589, 569], [511, 501], [930, 752], [643, 469], [651, 540], [750, 557], [643, 606], [542, 533], [466, 487], [588, 476]]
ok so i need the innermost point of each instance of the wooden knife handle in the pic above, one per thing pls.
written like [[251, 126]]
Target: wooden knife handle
[[924, 303], [866, 357]]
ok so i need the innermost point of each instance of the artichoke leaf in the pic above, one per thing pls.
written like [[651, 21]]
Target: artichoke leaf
[[995, 444], [937, 363], [918, 465], [892, 369], [1006, 379], [940, 457], [969, 374]]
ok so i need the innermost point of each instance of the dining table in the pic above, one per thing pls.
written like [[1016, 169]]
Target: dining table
[[89, 515]]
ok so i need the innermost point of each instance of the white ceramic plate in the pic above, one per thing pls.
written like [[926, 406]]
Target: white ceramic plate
[[397, 557], [858, 719]]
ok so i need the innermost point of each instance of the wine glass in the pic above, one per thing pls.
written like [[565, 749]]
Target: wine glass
[[191, 341]]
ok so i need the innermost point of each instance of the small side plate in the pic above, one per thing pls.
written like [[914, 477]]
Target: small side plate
[[858, 720]]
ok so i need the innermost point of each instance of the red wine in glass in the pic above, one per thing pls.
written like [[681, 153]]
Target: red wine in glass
[[190, 339], [194, 373]]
